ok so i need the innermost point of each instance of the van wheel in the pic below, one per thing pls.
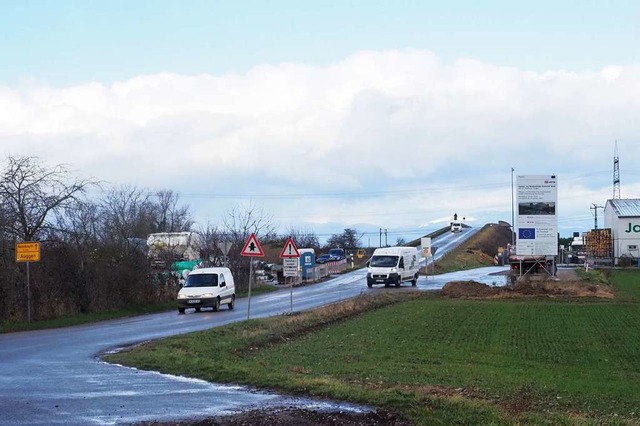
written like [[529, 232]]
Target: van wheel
[[414, 281], [232, 304], [399, 282], [216, 305], [181, 310], [369, 285]]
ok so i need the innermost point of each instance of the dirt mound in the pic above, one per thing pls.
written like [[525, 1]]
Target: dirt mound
[[524, 288], [468, 289]]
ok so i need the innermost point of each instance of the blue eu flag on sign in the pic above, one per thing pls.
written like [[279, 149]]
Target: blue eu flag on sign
[[527, 233]]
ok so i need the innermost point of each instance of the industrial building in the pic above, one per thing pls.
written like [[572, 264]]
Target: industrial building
[[622, 217]]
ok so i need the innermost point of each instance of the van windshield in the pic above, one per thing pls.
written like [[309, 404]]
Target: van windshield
[[384, 261], [201, 280]]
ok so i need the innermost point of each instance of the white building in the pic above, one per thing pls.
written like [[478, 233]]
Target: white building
[[623, 218]]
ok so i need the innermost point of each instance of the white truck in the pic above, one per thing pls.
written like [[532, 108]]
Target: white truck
[[393, 265], [181, 245]]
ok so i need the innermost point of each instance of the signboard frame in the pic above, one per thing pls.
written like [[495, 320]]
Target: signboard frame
[[28, 251], [537, 215]]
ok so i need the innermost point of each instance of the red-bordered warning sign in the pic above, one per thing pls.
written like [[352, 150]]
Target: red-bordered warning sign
[[252, 247], [289, 250]]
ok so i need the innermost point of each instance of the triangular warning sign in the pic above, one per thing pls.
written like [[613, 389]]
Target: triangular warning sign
[[252, 247], [289, 250]]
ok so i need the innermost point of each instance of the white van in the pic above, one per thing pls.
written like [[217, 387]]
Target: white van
[[207, 288], [393, 265]]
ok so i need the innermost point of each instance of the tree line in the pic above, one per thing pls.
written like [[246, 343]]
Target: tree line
[[93, 241]]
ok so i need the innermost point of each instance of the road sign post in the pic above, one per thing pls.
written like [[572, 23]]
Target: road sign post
[[224, 247], [290, 261], [251, 248], [28, 252]]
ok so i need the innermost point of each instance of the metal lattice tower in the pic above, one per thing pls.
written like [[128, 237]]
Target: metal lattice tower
[[616, 174]]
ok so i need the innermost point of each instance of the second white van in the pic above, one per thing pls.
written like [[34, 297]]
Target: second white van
[[393, 265], [207, 288]]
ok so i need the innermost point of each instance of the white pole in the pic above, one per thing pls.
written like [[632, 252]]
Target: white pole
[[513, 222], [249, 296]]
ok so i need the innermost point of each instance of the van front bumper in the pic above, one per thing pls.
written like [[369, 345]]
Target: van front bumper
[[197, 302], [382, 278]]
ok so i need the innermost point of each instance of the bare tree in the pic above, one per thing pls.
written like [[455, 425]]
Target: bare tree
[[210, 251], [240, 222], [167, 215], [126, 213], [304, 238], [30, 192], [349, 239]]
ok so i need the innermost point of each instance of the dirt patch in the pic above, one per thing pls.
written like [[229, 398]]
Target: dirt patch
[[462, 289], [566, 284], [296, 417]]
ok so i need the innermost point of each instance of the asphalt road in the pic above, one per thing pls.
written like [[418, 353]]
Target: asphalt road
[[56, 376]]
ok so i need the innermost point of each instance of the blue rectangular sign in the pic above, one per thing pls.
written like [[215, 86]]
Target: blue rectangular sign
[[527, 233]]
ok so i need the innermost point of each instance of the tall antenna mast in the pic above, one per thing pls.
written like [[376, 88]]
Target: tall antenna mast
[[616, 174]]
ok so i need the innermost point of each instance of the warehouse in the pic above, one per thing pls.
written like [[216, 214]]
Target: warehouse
[[623, 218]]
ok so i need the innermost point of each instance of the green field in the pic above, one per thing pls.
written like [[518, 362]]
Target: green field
[[437, 360]]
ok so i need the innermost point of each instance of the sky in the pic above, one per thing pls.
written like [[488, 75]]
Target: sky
[[325, 115]]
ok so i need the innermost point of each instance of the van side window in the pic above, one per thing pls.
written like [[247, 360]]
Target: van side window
[[401, 264], [222, 283]]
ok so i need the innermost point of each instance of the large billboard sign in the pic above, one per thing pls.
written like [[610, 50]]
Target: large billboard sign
[[537, 222]]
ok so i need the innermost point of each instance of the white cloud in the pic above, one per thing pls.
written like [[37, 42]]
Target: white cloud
[[374, 123]]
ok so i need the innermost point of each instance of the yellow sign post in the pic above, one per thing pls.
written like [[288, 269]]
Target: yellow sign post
[[28, 252]]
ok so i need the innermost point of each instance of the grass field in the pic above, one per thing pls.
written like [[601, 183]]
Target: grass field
[[437, 360]]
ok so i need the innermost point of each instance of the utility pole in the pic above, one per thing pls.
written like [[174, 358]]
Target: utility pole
[[386, 243], [595, 213], [513, 225], [380, 238]]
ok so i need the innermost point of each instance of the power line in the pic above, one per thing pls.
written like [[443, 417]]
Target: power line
[[402, 192]]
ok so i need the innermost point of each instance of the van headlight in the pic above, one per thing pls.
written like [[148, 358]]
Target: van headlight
[[207, 295], [369, 270], [182, 296], [394, 270]]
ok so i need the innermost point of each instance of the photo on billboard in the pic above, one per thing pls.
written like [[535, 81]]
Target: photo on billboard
[[540, 208]]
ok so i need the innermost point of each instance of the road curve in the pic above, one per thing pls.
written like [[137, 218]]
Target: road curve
[[56, 377]]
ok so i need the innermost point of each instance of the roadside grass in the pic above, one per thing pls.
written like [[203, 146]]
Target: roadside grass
[[68, 321], [596, 276], [439, 361]]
